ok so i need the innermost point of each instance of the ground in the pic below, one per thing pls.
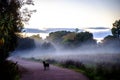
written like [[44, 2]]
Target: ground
[[35, 71]]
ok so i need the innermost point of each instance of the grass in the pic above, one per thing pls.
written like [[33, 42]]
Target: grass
[[102, 71]]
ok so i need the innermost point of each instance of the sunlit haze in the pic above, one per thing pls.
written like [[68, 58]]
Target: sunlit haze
[[74, 13]]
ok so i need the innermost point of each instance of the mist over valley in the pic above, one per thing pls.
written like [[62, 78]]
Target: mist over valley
[[64, 45]]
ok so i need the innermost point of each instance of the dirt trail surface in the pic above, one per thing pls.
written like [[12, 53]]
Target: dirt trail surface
[[35, 71]]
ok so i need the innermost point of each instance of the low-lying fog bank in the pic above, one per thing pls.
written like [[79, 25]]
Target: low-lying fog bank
[[76, 55], [64, 45]]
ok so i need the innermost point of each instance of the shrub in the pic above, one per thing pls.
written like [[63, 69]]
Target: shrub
[[9, 71], [75, 64]]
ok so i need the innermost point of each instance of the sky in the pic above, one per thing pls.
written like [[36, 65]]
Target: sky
[[74, 13]]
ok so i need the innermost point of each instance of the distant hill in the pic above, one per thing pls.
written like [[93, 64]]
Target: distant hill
[[48, 30], [97, 28], [32, 30], [61, 29]]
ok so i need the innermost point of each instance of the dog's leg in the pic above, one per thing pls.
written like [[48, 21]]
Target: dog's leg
[[44, 67]]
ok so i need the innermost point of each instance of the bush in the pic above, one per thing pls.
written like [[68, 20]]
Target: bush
[[102, 71], [9, 71], [73, 64]]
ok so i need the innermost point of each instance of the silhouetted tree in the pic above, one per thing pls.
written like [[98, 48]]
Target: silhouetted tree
[[23, 44], [47, 46], [84, 38], [10, 25], [111, 42], [76, 30], [116, 29]]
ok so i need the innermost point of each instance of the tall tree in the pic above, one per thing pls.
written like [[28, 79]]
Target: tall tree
[[10, 25], [116, 29]]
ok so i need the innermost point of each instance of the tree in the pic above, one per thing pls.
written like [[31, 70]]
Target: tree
[[111, 43], [84, 36], [116, 29], [76, 30], [10, 25], [73, 40], [57, 37], [23, 43]]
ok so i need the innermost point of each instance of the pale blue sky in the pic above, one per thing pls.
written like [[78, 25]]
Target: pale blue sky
[[74, 13]]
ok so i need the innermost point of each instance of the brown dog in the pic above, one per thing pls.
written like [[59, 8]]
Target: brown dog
[[46, 65]]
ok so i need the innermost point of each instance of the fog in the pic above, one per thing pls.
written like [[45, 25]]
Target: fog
[[86, 53]]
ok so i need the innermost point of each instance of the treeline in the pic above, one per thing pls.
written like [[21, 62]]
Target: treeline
[[11, 23], [70, 40], [25, 43], [63, 39], [73, 40]]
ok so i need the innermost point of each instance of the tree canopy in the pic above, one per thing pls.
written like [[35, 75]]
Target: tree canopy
[[10, 25], [71, 39], [116, 29]]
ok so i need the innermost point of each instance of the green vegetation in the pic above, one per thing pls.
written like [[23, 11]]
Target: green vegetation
[[11, 23], [116, 29], [9, 71], [102, 71], [71, 39], [23, 43], [56, 37]]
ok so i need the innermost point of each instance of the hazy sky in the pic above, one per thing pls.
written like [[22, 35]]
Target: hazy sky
[[74, 13]]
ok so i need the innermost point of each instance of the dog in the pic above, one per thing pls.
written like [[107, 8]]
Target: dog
[[46, 65]]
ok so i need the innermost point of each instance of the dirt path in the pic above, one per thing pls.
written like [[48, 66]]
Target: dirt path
[[35, 71]]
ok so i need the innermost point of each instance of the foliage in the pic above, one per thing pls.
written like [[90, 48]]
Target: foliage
[[116, 29], [74, 40], [111, 42], [25, 11], [36, 37], [73, 64], [23, 43], [83, 36], [102, 71], [9, 71], [57, 37], [71, 39], [76, 30], [10, 24]]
